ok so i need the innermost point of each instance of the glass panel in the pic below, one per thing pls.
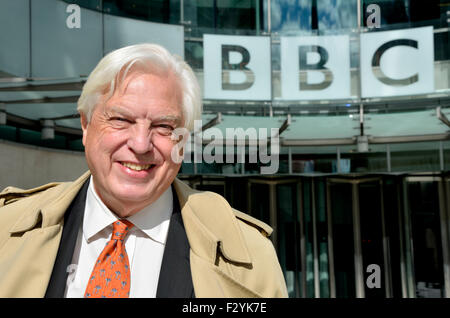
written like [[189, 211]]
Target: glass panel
[[224, 16], [446, 146], [236, 193], [309, 241], [422, 156], [333, 15], [260, 204], [342, 227], [163, 11], [372, 161], [372, 239], [74, 51], [217, 187], [322, 236], [392, 206], [283, 166], [120, 31], [290, 15], [209, 168], [187, 168], [409, 13], [288, 227], [423, 200], [15, 61], [305, 15]]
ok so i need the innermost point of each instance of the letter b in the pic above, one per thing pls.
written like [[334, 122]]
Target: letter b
[[227, 67], [319, 66]]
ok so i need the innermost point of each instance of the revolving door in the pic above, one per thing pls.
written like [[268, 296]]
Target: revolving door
[[358, 236]]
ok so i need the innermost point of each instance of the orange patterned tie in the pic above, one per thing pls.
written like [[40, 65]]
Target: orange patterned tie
[[110, 277]]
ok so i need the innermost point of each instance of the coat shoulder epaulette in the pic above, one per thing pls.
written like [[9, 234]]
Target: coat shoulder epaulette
[[265, 229], [13, 194]]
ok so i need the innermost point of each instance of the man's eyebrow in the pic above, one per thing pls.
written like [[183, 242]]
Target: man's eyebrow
[[126, 112], [173, 118], [120, 110]]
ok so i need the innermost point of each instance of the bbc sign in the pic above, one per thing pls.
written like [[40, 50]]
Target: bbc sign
[[392, 63]]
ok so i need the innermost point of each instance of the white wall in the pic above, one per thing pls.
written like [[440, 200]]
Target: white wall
[[27, 166]]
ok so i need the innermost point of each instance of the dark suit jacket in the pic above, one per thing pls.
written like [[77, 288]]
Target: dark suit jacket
[[175, 279]]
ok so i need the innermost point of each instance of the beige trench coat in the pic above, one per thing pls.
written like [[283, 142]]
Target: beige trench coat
[[230, 255]]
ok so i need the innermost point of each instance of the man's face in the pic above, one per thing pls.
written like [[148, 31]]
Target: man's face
[[128, 141]]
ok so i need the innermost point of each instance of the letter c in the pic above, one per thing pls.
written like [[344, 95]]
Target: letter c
[[376, 69]]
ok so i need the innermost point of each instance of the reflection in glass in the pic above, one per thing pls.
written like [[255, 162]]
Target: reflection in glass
[[372, 236], [288, 226], [304, 15], [342, 224], [426, 238]]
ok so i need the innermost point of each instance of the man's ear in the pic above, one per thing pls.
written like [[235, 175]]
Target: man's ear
[[84, 126]]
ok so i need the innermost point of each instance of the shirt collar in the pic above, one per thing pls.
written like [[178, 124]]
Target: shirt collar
[[153, 220]]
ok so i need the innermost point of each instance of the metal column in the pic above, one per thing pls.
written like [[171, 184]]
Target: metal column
[[330, 245], [359, 270]]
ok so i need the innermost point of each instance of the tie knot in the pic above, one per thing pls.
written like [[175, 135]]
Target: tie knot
[[120, 229]]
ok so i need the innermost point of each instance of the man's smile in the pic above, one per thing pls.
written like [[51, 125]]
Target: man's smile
[[135, 166]]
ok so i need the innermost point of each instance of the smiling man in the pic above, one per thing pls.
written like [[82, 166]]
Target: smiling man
[[128, 227]]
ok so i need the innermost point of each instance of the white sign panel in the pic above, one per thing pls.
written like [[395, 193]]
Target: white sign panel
[[395, 63], [315, 67], [237, 67]]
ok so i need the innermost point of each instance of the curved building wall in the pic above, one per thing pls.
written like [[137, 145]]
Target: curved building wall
[[27, 166]]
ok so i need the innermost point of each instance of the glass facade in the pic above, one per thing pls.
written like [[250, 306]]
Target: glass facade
[[357, 90]]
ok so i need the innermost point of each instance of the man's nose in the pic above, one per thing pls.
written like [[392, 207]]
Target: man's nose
[[140, 140]]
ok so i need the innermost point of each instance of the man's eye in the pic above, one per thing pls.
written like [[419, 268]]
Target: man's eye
[[164, 129], [120, 119]]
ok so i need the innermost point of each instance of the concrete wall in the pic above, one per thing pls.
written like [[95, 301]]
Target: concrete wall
[[27, 166]]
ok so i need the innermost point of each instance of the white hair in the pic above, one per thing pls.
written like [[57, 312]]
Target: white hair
[[149, 58]]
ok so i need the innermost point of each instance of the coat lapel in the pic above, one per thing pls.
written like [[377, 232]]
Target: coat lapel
[[73, 219], [213, 232], [175, 280]]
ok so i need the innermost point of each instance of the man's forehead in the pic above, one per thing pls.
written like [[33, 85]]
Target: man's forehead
[[125, 111], [138, 79]]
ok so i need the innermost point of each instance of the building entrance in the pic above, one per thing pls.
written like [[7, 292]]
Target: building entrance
[[353, 235]]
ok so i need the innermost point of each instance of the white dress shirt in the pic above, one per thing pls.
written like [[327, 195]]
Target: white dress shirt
[[144, 244]]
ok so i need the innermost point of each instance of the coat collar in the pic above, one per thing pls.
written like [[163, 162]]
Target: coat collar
[[50, 210], [211, 225], [209, 220]]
